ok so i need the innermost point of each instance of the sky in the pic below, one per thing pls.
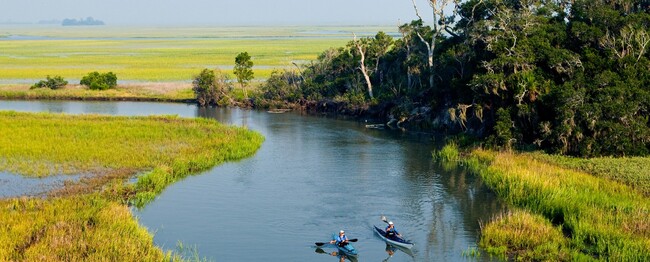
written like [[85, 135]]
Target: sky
[[217, 12]]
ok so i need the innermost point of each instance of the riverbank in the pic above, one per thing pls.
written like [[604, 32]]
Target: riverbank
[[154, 92], [569, 209], [90, 219]]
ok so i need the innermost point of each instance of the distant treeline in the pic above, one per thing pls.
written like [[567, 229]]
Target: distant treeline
[[567, 76], [87, 21]]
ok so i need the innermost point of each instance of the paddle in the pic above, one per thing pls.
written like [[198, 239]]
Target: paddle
[[323, 243], [383, 218]]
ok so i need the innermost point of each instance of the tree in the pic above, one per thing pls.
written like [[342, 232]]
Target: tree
[[362, 47], [440, 23], [243, 70]]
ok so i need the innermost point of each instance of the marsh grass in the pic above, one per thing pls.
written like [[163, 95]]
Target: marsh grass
[[631, 171], [79, 228], [155, 60], [88, 221], [508, 236], [448, 153], [602, 219], [168, 92]]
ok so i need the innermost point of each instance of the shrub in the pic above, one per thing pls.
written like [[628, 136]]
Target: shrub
[[97, 81], [55, 82], [282, 85], [210, 87]]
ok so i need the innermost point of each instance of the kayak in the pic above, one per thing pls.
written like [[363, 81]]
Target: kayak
[[347, 250], [394, 240]]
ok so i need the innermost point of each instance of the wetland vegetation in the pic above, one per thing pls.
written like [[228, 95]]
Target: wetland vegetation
[[565, 209], [90, 219]]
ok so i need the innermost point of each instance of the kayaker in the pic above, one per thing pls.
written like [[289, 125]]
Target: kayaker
[[341, 239], [391, 232]]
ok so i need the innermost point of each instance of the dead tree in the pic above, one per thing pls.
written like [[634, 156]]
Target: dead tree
[[439, 25], [362, 64]]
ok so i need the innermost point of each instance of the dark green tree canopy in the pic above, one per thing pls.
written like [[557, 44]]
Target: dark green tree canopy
[[566, 76]]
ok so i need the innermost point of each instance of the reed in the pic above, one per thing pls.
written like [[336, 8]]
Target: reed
[[601, 218]]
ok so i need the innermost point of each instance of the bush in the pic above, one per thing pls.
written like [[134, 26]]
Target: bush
[[55, 82], [282, 85], [97, 81], [210, 88]]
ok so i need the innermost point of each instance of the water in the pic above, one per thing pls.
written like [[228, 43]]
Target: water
[[312, 177], [13, 185]]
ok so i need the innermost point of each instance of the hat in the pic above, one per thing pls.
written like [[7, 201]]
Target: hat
[[341, 232], [390, 222]]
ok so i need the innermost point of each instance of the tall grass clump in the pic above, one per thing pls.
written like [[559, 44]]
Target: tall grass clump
[[602, 219], [449, 152], [508, 236]]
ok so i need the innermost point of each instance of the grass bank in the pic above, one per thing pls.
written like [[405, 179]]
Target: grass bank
[[600, 218], [161, 92], [91, 221]]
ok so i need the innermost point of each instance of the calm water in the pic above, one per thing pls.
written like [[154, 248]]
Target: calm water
[[312, 177]]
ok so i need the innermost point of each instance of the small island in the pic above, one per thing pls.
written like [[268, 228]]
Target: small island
[[80, 22]]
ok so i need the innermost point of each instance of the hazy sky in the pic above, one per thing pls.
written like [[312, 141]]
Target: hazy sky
[[217, 12]]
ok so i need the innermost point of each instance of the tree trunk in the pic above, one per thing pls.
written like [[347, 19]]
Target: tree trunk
[[363, 68]]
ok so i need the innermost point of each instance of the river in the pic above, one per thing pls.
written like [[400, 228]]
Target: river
[[312, 177]]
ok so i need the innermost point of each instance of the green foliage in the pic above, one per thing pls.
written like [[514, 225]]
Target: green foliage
[[210, 87], [569, 78], [243, 69], [55, 82], [503, 129], [282, 86], [97, 81]]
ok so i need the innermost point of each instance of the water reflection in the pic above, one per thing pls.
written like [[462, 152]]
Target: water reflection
[[339, 255], [54, 106], [99, 108], [391, 250]]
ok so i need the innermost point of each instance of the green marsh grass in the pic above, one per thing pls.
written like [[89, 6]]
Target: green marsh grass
[[601, 218], [147, 54], [80, 228], [167, 92], [448, 153], [631, 171], [508, 236], [98, 226]]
